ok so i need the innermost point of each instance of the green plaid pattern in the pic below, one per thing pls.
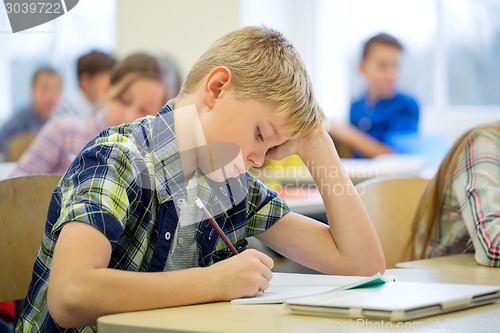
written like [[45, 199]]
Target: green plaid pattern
[[126, 183]]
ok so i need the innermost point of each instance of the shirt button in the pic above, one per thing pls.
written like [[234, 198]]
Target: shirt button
[[167, 235], [163, 193], [180, 240]]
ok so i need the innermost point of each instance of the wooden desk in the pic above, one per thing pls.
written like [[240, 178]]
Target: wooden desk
[[227, 318], [460, 268]]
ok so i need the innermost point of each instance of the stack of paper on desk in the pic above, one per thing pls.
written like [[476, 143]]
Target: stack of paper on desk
[[285, 286]]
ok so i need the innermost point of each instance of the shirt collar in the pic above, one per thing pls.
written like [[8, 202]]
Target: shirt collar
[[169, 176]]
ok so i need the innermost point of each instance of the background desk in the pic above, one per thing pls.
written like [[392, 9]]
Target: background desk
[[358, 170], [460, 268], [227, 318]]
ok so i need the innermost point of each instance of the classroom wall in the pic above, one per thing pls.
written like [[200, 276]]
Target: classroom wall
[[180, 29], [156, 25]]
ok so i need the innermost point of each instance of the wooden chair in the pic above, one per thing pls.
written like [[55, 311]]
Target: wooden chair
[[24, 202], [392, 204], [18, 144]]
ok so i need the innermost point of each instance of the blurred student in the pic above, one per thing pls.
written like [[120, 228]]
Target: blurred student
[[93, 70], [139, 87], [460, 208], [46, 89], [173, 80], [383, 111]]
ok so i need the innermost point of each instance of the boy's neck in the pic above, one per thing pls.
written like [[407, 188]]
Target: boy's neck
[[373, 95], [189, 134]]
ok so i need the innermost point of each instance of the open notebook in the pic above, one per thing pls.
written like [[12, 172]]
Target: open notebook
[[286, 286]]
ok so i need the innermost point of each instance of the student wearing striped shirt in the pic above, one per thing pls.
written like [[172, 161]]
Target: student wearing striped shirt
[[460, 208], [140, 85], [123, 232], [93, 70]]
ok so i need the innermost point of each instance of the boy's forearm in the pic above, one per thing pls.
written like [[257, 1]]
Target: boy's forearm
[[358, 140], [106, 291], [350, 225]]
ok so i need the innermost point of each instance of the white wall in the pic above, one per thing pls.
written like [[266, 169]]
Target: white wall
[[184, 29], [452, 122], [181, 29]]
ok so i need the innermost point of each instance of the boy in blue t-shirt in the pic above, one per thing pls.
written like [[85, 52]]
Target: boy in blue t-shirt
[[383, 112]]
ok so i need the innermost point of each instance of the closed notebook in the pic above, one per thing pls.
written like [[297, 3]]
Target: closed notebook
[[398, 301], [285, 286]]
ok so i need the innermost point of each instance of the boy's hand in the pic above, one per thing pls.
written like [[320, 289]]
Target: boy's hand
[[300, 145], [243, 275]]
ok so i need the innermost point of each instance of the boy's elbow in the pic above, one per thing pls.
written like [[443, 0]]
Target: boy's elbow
[[379, 265], [366, 266], [375, 264], [64, 305]]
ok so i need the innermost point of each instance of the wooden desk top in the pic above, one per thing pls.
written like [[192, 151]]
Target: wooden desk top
[[227, 318], [460, 268]]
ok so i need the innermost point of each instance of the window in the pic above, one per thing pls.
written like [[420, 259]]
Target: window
[[472, 33], [90, 25], [450, 62]]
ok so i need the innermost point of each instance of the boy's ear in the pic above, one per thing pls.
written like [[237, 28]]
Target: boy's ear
[[216, 84], [361, 67], [83, 81]]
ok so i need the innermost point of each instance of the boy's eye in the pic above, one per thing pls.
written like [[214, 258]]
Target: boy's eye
[[258, 135]]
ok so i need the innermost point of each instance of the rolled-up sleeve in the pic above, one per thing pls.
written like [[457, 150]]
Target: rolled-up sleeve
[[99, 189], [265, 207]]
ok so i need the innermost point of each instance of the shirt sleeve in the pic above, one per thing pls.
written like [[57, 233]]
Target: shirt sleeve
[[100, 188], [476, 185], [265, 207], [45, 152]]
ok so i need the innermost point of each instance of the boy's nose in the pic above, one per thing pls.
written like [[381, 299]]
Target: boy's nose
[[257, 160]]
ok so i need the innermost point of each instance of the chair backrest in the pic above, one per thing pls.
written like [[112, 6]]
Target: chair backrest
[[392, 204], [18, 144], [24, 202]]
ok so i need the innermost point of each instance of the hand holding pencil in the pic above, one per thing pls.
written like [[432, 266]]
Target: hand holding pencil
[[265, 263]]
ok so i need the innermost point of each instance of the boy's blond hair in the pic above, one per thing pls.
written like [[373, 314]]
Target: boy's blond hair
[[266, 67]]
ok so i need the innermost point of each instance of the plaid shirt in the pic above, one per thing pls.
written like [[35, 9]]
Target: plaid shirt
[[473, 202], [126, 183]]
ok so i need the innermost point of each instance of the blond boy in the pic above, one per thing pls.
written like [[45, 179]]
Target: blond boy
[[123, 234]]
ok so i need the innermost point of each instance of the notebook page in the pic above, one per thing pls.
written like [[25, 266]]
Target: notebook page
[[286, 286]]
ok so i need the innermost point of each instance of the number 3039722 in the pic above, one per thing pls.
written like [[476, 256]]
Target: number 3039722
[[33, 8]]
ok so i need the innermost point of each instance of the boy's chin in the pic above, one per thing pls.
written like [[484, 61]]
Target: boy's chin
[[387, 93]]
